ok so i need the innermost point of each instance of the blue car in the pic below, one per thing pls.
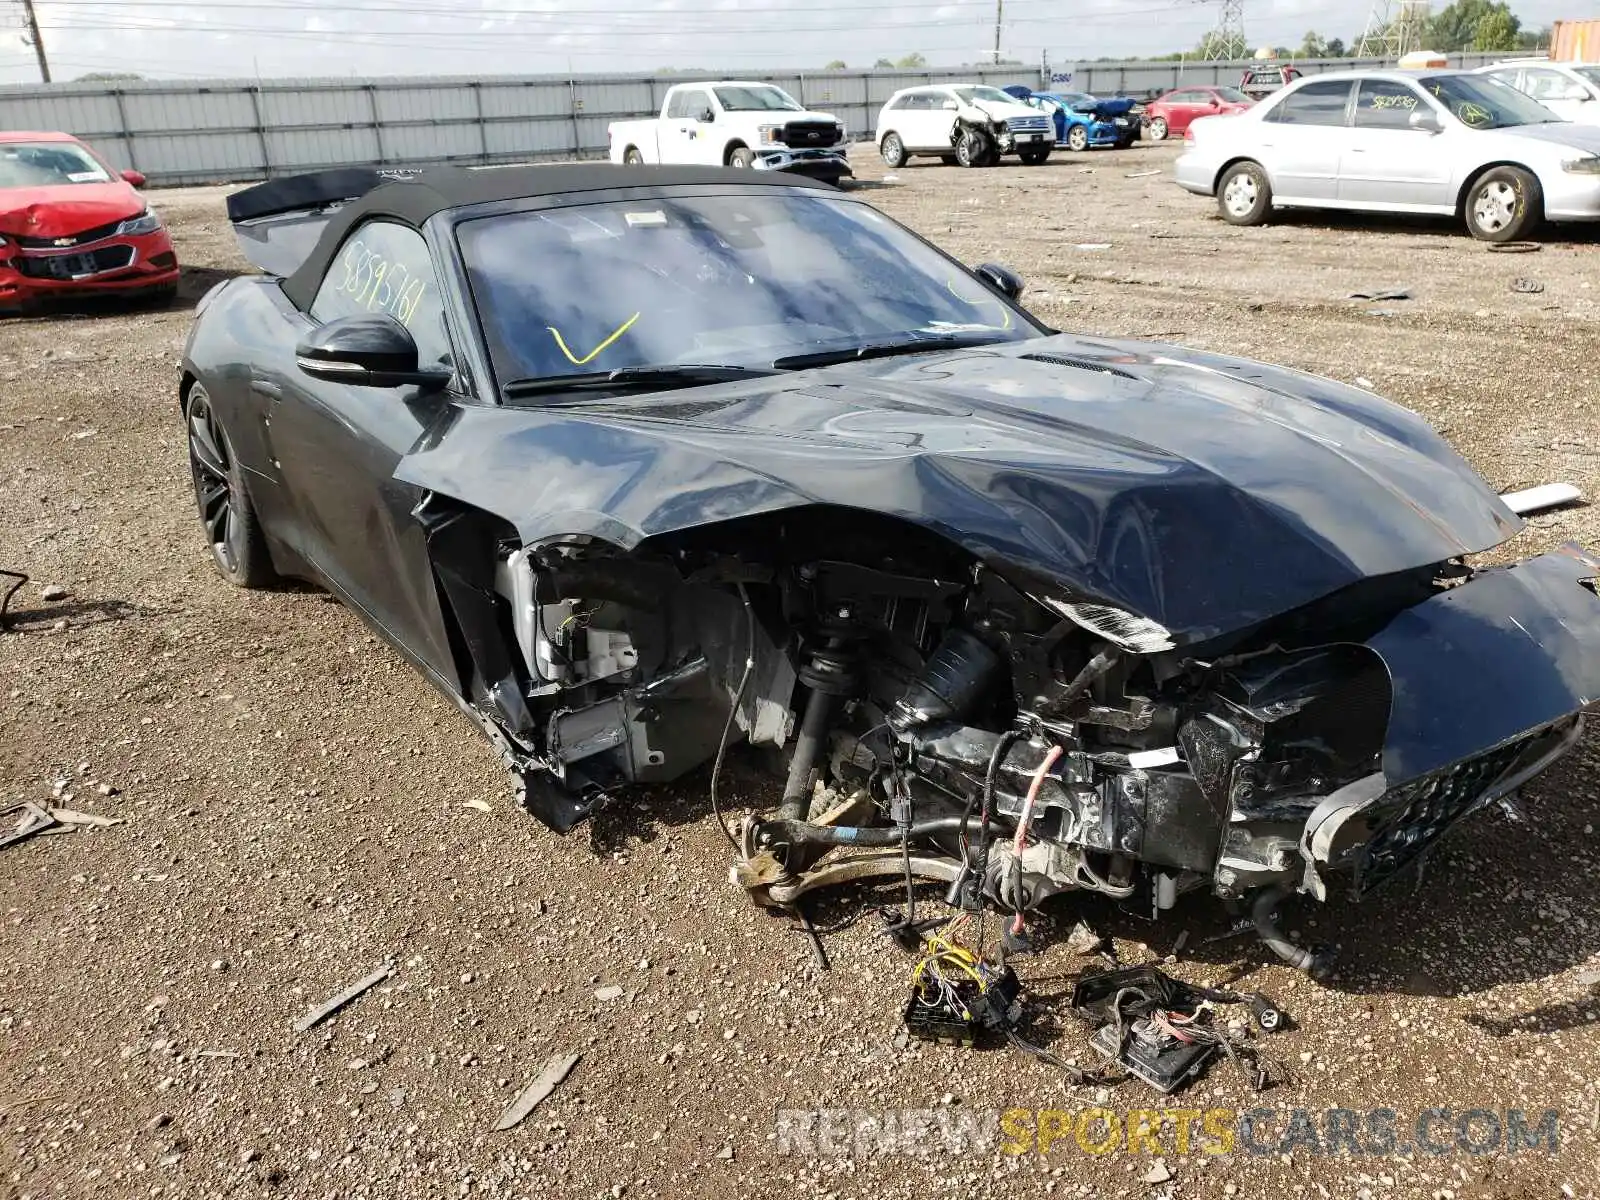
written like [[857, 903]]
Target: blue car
[[1083, 121]]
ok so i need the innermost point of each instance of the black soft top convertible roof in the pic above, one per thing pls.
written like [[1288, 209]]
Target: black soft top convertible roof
[[411, 201]]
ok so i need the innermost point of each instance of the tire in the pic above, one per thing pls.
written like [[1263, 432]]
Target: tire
[[238, 547], [1078, 138], [632, 157], [741, 156], [1158, 129], [1244, 194], [975, 149], [893, 151], [1503, 205], [1034, 157]]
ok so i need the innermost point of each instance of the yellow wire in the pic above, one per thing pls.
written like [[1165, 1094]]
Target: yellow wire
[[561, 342], [1004, 311]]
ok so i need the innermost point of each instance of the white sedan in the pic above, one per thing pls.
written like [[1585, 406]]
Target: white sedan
[[1443, 142], [1570, 90]]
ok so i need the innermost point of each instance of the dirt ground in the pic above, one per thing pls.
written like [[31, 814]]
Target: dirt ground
[[294, 804]]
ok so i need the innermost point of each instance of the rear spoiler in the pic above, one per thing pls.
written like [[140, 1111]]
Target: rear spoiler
[[277, 223]]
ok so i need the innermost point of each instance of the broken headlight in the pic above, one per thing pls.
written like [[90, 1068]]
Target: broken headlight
[[145, 222], [1139, 634]]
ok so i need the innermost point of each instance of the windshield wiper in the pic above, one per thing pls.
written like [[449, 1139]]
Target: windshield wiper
[[627, 378], [920, 343]]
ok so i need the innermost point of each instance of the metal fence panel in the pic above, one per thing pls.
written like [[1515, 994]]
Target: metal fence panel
[[235, 130]]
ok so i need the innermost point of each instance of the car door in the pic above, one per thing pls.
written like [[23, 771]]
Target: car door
[[1190, 104], [336, 446], [901, 118], [931, 120], [696, 140], [1390, 163], [1303, 138]]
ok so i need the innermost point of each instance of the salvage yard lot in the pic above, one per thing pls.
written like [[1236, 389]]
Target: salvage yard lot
[[293, 797]]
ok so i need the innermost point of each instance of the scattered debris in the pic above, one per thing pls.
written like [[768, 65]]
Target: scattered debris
[[1541, 497], [726, 1154], [530, 1097], [1158, 1173], [19, 580], [1084, 939], [1094, 245], [1513, 247], [1528, 287], [1158, 1028], [482, 806], [1384, 294], [68, 817], [322, 1012], [1140, 174], [1363, 382], [82, 434], [13, 1105], [53, 591], [608, 993], [890, 178], [218, 1053], [33, 820]]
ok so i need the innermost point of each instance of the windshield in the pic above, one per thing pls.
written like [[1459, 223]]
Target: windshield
[[756, 99], [1230, 95], [739, 280], [988, 95], [1484, 102], [45, 164]]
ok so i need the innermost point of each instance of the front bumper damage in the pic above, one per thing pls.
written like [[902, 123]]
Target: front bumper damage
[[1457, 703], [817, 164], [117, 263]]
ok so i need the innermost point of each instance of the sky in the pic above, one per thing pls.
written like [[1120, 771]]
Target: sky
[[314, 38]]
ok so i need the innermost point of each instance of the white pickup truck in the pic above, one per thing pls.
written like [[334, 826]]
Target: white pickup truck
[[736, 124]]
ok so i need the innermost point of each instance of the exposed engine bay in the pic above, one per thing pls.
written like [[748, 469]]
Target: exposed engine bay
[[934, 717]]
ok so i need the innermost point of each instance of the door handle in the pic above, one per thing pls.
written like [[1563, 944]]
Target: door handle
[[266, 387]]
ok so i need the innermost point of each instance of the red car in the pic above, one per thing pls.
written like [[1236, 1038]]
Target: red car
[[1169, 115], [70, 224]]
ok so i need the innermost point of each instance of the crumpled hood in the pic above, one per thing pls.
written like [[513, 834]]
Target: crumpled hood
[[996, 111], [1105, 109], [46, 212], [1205, 492]]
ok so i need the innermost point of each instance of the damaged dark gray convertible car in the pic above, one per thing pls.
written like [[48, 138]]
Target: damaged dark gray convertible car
[[635, 463]]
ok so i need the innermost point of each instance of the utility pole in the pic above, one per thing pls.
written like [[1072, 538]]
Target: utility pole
[[999, 18], [31, 23], [1227, 40]]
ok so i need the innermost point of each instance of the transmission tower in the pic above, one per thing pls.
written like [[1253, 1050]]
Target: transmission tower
[[1393, 29], [1227, 40]]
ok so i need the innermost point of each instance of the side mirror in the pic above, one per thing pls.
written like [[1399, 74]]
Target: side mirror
[[136, 178], [367, 350], [1214, 102], [1002, 279], [1426, 120], [705, 116]]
